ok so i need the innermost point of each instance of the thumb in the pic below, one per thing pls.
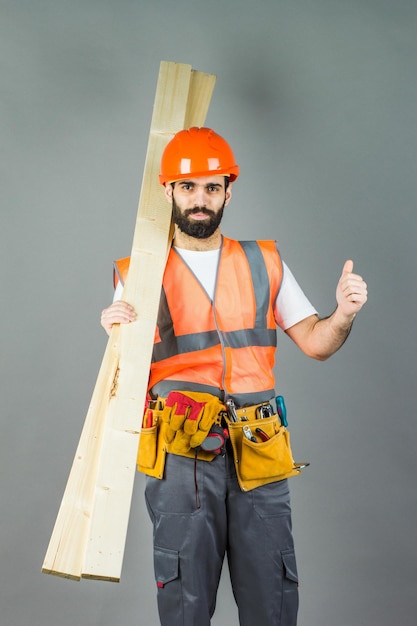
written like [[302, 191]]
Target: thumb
[[348, 267]]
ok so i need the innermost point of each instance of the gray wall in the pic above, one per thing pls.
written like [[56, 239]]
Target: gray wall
[[318, 98]]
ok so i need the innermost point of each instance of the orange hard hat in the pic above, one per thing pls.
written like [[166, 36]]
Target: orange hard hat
[[197, 152]]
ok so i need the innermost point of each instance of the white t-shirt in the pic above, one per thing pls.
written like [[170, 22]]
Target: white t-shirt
[[291, 306]]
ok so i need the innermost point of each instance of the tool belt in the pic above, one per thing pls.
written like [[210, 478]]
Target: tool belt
[[183, 423]]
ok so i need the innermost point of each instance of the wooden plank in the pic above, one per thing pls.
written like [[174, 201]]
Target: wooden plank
[[201, 90], [89, 534], [104, 554], [65, 553], [123, 421]]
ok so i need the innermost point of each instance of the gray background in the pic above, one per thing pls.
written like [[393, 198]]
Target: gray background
[[318, 98]]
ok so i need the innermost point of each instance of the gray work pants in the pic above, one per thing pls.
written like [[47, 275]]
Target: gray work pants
[[253, 528]]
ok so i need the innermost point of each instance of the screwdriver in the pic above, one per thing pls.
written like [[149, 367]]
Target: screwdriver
[[282, 410]]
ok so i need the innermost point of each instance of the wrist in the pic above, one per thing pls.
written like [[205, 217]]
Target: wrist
[[341, 319]]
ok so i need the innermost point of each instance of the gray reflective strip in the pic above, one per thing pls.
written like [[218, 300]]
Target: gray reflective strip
[[250, 337], [163, 388], [165, 324], [260, 280], [117, 273], [172, 346]]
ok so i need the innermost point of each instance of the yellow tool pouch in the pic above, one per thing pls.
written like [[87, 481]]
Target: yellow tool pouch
[[262, 452], [152, 446], [177, 424]]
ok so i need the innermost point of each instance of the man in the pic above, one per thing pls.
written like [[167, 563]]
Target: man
[[211, 377]]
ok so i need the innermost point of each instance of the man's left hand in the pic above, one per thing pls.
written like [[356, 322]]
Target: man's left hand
[[351, 291]]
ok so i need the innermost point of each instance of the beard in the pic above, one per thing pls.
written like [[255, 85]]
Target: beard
[[200, 229]]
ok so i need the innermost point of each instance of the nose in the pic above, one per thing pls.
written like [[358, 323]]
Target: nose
[[200, 195]]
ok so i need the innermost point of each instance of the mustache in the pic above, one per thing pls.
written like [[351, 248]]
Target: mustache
[[201, 209]]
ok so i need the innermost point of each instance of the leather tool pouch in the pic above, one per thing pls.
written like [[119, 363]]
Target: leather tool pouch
[[172, 430], [152, 447], [266, 460]]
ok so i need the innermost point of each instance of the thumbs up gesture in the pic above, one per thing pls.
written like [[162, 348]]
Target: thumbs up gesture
[[351, 291]]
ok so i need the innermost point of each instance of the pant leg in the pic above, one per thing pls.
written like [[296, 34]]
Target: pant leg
[[261, 555], [189, 542]]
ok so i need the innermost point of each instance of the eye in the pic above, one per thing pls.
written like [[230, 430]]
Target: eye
[[187, 186], [213, 188]]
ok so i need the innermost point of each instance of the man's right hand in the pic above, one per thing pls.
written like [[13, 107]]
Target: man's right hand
[[119, 312]]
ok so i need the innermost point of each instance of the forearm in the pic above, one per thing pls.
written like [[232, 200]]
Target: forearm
[[328, 335]]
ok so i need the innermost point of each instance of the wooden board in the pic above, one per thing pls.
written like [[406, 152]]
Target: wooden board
[[90, 531]]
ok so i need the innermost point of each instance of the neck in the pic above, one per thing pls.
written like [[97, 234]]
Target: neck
[[181, 240]]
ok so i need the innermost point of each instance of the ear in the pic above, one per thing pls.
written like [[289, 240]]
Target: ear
[[168, 190], [228, 194]]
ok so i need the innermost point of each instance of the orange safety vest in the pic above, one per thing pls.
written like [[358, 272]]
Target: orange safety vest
[[225, 346]]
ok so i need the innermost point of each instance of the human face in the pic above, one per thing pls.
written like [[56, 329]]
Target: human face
[[197, 205]]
